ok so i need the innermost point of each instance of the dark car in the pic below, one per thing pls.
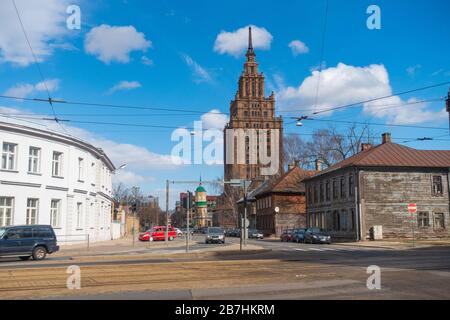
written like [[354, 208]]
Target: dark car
[[215, 235], [27, 241], [298, 235], [317, 235], [286, 235]]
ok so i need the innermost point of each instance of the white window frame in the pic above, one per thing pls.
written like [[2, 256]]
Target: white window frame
[[34, 160], [32, 210], [55, 213], [79, 215], [57, 163], [3, 209], [80, 169], [6, 162]]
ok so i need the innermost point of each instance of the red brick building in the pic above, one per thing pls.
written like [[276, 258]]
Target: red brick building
[[281, 203]]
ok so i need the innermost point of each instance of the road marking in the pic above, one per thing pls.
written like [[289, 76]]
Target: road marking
[[299, 249], [315, 249]]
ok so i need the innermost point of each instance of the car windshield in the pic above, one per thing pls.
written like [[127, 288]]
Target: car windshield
[[215, 230], [316, 230], [2, 232]]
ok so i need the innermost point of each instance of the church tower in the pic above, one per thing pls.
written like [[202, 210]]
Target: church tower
[[250, 109]]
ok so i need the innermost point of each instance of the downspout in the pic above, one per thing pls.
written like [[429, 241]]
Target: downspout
[[357, 207]]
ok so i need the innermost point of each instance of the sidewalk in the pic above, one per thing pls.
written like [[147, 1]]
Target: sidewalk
[[124, 247], [398, 244]]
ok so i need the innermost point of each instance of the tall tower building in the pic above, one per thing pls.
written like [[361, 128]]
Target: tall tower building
[[250, 109]]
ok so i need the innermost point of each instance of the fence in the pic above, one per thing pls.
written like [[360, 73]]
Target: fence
[[71, 239]]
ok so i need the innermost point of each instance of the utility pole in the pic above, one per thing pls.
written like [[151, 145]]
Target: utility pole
[[188, 234], [447, 103], [167, 212]]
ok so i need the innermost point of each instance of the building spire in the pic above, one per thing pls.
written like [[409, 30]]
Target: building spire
[[250, 42], [250, 52]]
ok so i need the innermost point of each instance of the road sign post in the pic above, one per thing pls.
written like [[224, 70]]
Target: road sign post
[[412, 209]]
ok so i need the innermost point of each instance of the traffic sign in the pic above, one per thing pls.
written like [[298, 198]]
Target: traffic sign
[[412, 208]]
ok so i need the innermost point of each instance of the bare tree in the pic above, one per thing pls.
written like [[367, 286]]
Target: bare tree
[[228, 199], [120, 193], [327, 145], [295, 149]]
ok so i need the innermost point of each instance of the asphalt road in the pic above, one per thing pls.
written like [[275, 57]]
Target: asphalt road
[[283, 271]]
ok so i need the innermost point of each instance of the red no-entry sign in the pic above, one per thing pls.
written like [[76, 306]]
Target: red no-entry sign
[[412, 208]]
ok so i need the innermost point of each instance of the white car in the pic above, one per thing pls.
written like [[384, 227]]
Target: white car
[[178, 231]]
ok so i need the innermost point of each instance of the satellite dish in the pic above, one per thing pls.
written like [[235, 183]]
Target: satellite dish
[[277, 209]]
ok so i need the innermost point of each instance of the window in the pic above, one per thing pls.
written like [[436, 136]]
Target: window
[[57, 164], [327, 190], [351, 185], [6, 211], [321, 193], [343, 188], [309, 197], [9, 156], [32, 211], [79, 215], [437, 185], [336, 221], [344, 220], [55, 209], [439, 223], [335, 189], [315, 194], [80, 169], [34, 162], [423, 219]]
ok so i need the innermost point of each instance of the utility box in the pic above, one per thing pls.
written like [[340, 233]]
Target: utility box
[[376, 233]]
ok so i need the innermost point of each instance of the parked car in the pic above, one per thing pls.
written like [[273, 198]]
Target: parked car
[[317, 235], [184, 230], [178, 231], [286, 235], [255, 234], [27, 241], [298, 235], [158, 233], [215, 235]]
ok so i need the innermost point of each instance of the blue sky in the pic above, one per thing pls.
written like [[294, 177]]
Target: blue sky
[[173, 62]]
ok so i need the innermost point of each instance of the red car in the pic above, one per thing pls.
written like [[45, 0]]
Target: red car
[[158, 234], [287, 235]]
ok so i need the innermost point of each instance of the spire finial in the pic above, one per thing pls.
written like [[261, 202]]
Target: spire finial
[[250, 52]]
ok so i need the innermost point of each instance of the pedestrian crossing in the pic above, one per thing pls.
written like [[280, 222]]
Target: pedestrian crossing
[[323, 249]]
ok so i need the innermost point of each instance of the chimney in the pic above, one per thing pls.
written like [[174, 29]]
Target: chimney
[[318, 165], [365, 146], [291, 166], [386, 137]]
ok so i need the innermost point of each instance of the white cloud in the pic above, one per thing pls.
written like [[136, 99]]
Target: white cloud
[[25, 89], [44, 22], [214, 120], [114, 43], [130, 178], [140, 160], [346, 84], [124, 85], [147, 61], [236, 42], [200, 73], [411, 71], [298, 47]]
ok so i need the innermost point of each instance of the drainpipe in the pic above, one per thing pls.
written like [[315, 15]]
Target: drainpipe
[[357, 207]]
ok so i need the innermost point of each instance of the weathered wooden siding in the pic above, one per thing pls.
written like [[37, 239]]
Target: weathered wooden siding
[[385, 195]]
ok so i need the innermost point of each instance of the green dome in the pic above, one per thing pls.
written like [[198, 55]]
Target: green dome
[[200, 189]]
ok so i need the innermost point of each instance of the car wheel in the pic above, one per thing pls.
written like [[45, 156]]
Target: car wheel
[[25, 258], [39, 253]]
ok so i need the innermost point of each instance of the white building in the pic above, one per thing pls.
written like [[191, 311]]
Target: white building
[[51, 178]]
